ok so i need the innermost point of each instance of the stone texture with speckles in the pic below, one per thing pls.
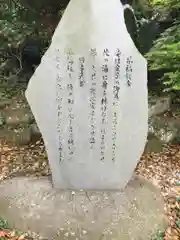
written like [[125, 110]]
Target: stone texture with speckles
[[18, 116], [32, 204]]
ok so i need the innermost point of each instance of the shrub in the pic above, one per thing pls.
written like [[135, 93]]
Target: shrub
[[165, 54]]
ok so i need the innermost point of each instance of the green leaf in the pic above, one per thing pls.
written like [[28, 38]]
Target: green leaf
[[158, 236], [178, 198], [178, 223], [4, 224]]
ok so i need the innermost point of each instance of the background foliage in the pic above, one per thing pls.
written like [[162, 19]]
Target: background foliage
[[18, 23], [165, 54], [22, 19]]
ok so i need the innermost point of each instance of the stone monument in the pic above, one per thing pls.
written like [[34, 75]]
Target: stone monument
[[89, 98]]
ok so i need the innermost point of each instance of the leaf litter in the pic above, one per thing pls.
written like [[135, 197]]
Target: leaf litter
[[163, 169]]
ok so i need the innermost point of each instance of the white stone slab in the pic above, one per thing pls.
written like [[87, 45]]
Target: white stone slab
[[89, 98]]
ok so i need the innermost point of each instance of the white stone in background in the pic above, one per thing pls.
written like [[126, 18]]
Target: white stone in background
[[158, 105], [90, 34]]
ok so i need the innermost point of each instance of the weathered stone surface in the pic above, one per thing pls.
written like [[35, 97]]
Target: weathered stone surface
[[2, 120], [20, 136], [35, 130], [164, 129], [35, 133], [18, 116], [153, 145], [158, 105], [135, 213], [4, 103]]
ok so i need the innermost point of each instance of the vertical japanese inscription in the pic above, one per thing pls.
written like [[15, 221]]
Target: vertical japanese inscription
[[70, 101], [116, 89], [129, 63], [93, 55], [116, 86], [105, 71], [59, 107], [81, 72]]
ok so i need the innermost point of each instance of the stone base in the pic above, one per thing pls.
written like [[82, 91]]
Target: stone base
[[32, 204]]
